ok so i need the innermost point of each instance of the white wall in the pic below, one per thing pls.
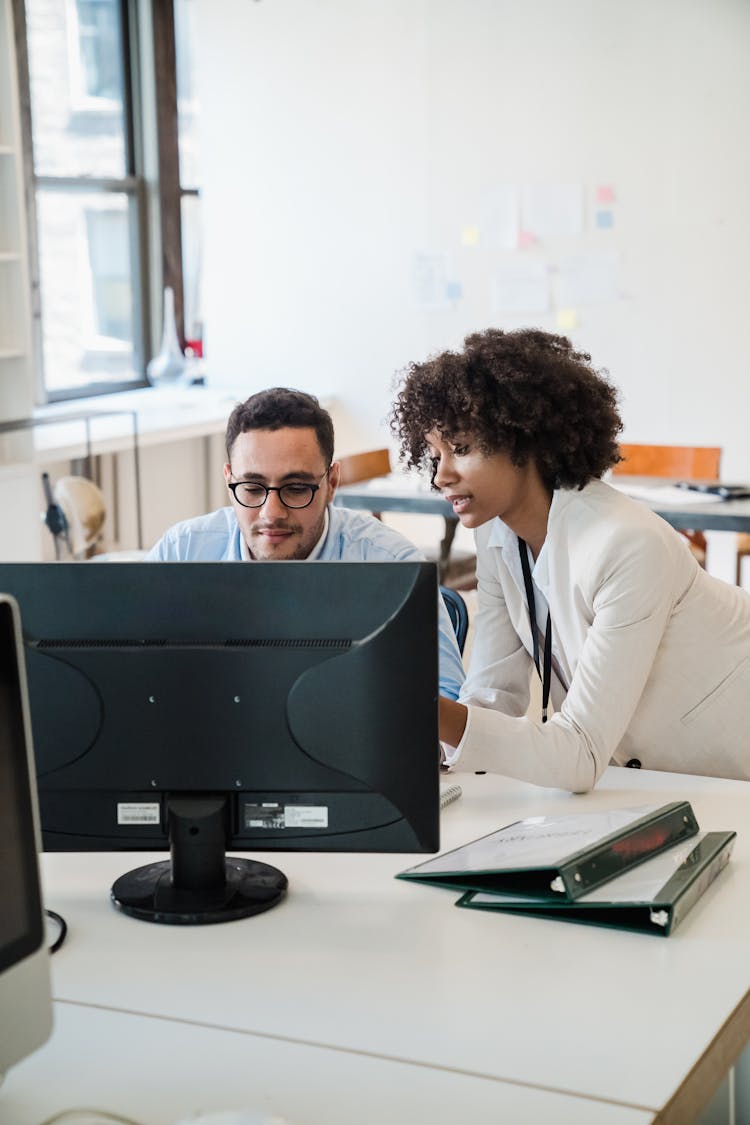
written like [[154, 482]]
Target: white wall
[[341, 137]]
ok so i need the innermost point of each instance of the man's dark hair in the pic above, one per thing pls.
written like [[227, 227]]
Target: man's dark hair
[[527, 393], [279, 407]]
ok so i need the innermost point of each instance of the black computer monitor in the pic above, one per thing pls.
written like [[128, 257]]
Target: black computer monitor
[[200, 706], [25, 998]]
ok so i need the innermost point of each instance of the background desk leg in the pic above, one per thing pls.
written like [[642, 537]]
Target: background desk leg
[[445, 545]]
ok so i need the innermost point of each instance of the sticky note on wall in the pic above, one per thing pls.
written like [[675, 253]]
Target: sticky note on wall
[[567, 319], [470, 236]]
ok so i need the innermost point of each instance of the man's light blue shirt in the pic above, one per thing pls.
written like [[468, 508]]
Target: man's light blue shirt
[[351, 537]]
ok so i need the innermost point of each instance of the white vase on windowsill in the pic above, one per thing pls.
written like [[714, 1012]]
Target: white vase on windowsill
[[169, 364]]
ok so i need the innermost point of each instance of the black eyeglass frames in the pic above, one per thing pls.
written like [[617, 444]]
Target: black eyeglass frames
[[296, 494]]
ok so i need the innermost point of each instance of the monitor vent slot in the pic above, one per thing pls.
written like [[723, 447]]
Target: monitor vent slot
[[119, 643], [297, 643]]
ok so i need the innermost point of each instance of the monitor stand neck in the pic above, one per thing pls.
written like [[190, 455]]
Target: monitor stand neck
[[200, 884]]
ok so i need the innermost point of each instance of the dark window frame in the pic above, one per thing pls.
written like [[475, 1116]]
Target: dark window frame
[[156, 258]]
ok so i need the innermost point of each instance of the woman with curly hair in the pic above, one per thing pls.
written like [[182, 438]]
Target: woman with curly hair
[[645, 657]]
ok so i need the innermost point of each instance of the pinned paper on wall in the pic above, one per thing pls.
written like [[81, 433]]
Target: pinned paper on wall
[[454, 290], [605, 220], [605, 193], [587, 279], [520, 286], [499, 211], [567, 319], [430, 277], [470, 236], [551, 210]]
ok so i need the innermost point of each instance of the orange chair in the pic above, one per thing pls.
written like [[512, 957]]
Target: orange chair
[[678, 462], [364, 466]]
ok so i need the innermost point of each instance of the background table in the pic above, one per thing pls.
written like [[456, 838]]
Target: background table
[[402, 493], [357, 963]]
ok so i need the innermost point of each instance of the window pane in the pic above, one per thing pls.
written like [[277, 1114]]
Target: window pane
[[86, 287], [77, 102], [99, 48], [187, 100]]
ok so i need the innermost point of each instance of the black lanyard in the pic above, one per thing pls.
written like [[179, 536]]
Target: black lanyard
[[545, 675]]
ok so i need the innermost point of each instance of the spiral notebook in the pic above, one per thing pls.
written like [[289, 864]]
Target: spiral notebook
[[449, 794]]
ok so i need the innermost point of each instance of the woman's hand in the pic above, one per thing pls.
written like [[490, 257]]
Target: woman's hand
[[451, 720]]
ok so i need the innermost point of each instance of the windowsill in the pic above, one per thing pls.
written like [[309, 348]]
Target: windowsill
[[170, 413]]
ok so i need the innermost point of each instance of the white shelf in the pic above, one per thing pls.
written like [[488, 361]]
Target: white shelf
[[13, 307], [19, 478], [16, 364]]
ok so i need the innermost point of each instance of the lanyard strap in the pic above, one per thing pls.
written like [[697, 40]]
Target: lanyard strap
[[545, 674]]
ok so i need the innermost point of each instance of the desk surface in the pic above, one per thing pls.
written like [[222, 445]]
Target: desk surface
[[157, 1072], [355, 960], [403, 493]]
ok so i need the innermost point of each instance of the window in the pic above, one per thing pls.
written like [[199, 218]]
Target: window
[[98, 269], [109, 260], [88, 208], [96, 58], [86, 290]]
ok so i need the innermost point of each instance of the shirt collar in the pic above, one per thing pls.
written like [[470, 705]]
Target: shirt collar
[[314, 554], [502, 537], [317, 549]]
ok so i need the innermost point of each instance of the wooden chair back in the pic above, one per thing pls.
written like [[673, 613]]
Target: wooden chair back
[[682, 462], [364, 466]]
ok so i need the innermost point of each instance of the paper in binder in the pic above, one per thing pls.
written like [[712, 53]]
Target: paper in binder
[[653, 897], [559, 857]]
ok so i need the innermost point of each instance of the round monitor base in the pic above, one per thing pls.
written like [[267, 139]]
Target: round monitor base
[[250, 888]]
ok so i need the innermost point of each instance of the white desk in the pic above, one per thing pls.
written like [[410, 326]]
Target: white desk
[[356, 961], [157, 1072]]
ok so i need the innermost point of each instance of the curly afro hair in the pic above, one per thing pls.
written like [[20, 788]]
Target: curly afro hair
[[527, 393]]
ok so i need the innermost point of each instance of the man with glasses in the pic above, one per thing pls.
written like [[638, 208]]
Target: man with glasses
[[282, 477]]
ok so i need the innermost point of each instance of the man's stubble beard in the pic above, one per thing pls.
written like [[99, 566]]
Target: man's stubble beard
[[301, 550]]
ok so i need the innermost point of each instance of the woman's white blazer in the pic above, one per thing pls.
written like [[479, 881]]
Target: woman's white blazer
[[652, 655]]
